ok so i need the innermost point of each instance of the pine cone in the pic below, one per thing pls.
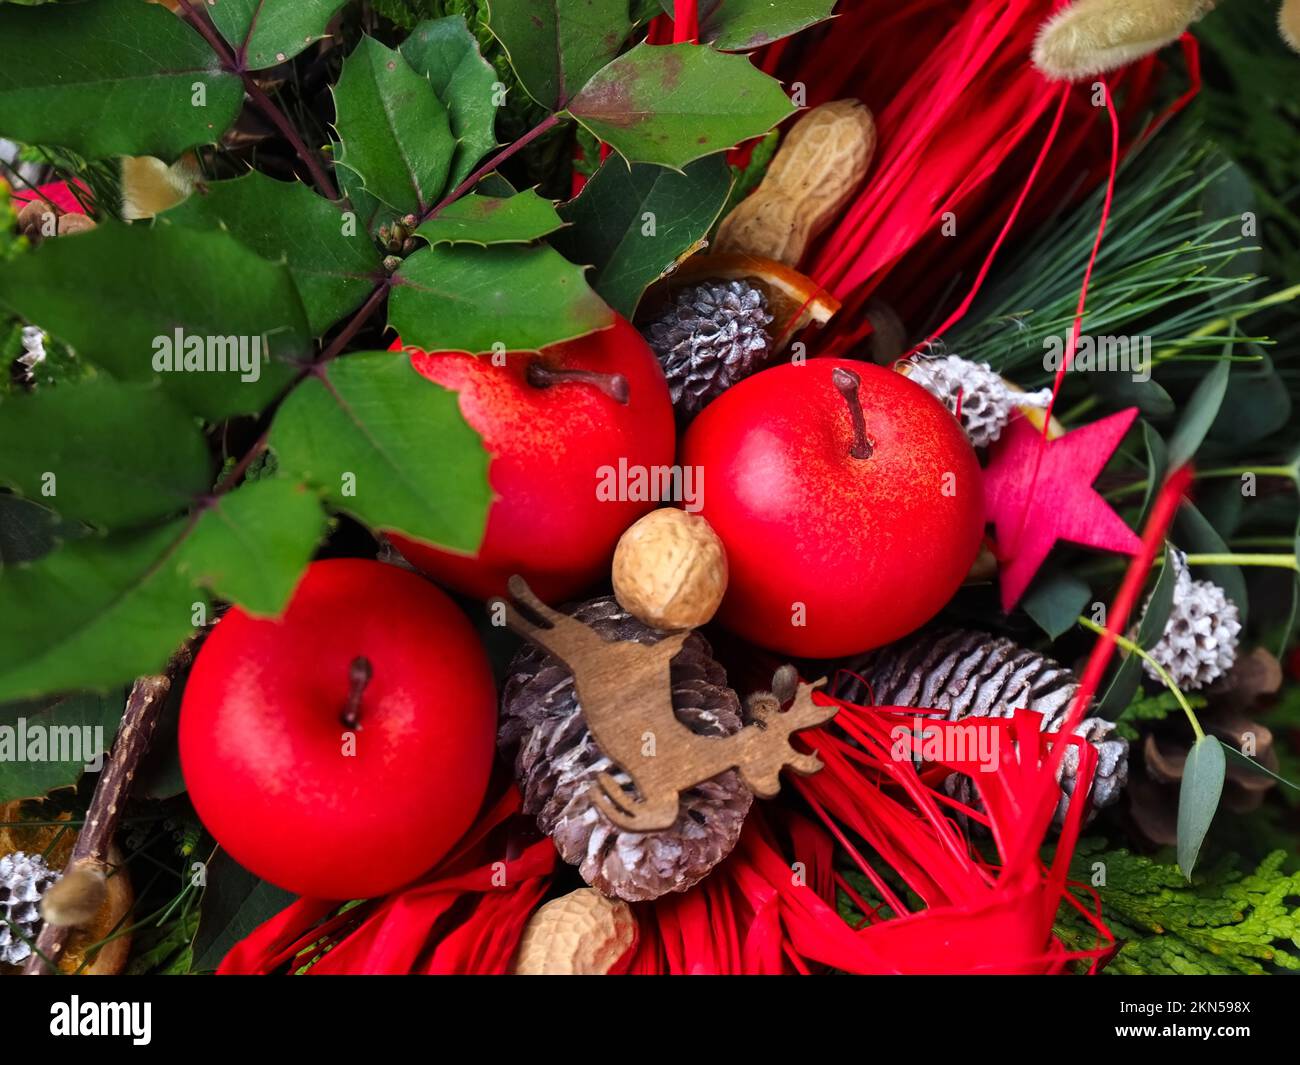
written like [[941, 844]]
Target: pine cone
[[1199, 643], [23, 880], [714, 335], [986, 400], [557, 762], [975, 674]]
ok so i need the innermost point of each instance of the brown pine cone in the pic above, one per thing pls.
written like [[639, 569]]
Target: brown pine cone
[[557, 762]]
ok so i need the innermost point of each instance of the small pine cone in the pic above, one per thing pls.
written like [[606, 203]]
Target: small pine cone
[[24, 878], [1200, 638], [557, 761], [714, 335], [986, 401], [975, 674]]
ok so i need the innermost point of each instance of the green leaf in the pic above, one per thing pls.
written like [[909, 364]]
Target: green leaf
[[234, 903], [110, 453], [394, 130], [672, 104], [27, 531], [388, 447], [252, 545], [1157, 467], [118, 294], [555, 46], [633, 222], [1198, 798], [740, 25], [266, 32], [1252, 766], [1195, 535], [115, 77], [446, 52], [1055, 601], [470, 299], [27, 771], [1257, 403], [484, 220], [332, 259], [94, 613], [1155, 615], [1199, 412]]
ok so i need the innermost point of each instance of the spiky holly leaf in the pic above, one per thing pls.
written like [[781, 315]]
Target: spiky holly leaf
[[740, 25], [483, 220], [115, 77], [501, 298], [554, 46], [31, 772], [673, 104], [119, 294], [27, 531], [388, 447], [633, 222], [446, 52], [107, 452], [331, 257], [266, 32], [394, 130]]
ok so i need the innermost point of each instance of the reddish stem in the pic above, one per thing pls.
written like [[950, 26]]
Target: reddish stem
[[359, 674]]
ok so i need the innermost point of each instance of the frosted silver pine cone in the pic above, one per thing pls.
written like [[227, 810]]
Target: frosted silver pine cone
[[714, 335], [986, 401], [976, 674], [557, 761], [23, 880], [1199, 643]]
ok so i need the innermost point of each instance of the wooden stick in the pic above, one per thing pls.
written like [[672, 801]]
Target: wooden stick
[[90, 853]]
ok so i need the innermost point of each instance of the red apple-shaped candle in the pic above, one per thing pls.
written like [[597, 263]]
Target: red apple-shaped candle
[[341, 750], [848, 499], [568, 429]]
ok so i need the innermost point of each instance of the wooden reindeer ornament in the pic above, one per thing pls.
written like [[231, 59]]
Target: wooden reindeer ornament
[[625, 691]]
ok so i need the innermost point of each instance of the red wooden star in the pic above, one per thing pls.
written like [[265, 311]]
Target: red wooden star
[[1030, 514]]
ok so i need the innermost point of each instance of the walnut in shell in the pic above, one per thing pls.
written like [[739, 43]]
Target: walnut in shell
[[582, 934], [670, 570]]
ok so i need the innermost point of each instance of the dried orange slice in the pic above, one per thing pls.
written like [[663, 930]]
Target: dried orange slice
[[794, 301]]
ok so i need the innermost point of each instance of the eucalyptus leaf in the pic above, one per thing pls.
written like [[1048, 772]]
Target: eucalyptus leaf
[[1155, 615], [1198, 798], [234, 903], [1055, 600], [1157, 467], [1199, 412], [121, 294], [555, 46], [29, 772], [673, 104], [334, 263], [251, 546], [388, 447], [1149, 396], [446, 52], [633, 222], [107, 452], [475, 299], [1197, 536], [394, 131], [114, 77], [484, 220], [264, 33], [1256, 404], [741, 25]]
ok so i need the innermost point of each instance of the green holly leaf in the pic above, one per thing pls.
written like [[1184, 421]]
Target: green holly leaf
[[115, 77], [107, 452], [332, 259], [94, 613], [250, 546], [121, 294], [266, 32], [633, 222], [28, 531], [29, 772], [555, 46], [1198, 798], [672, 104], [479, 299], [741, 25], [445, 51], [395, 133], [388, 447], [483, 220]]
